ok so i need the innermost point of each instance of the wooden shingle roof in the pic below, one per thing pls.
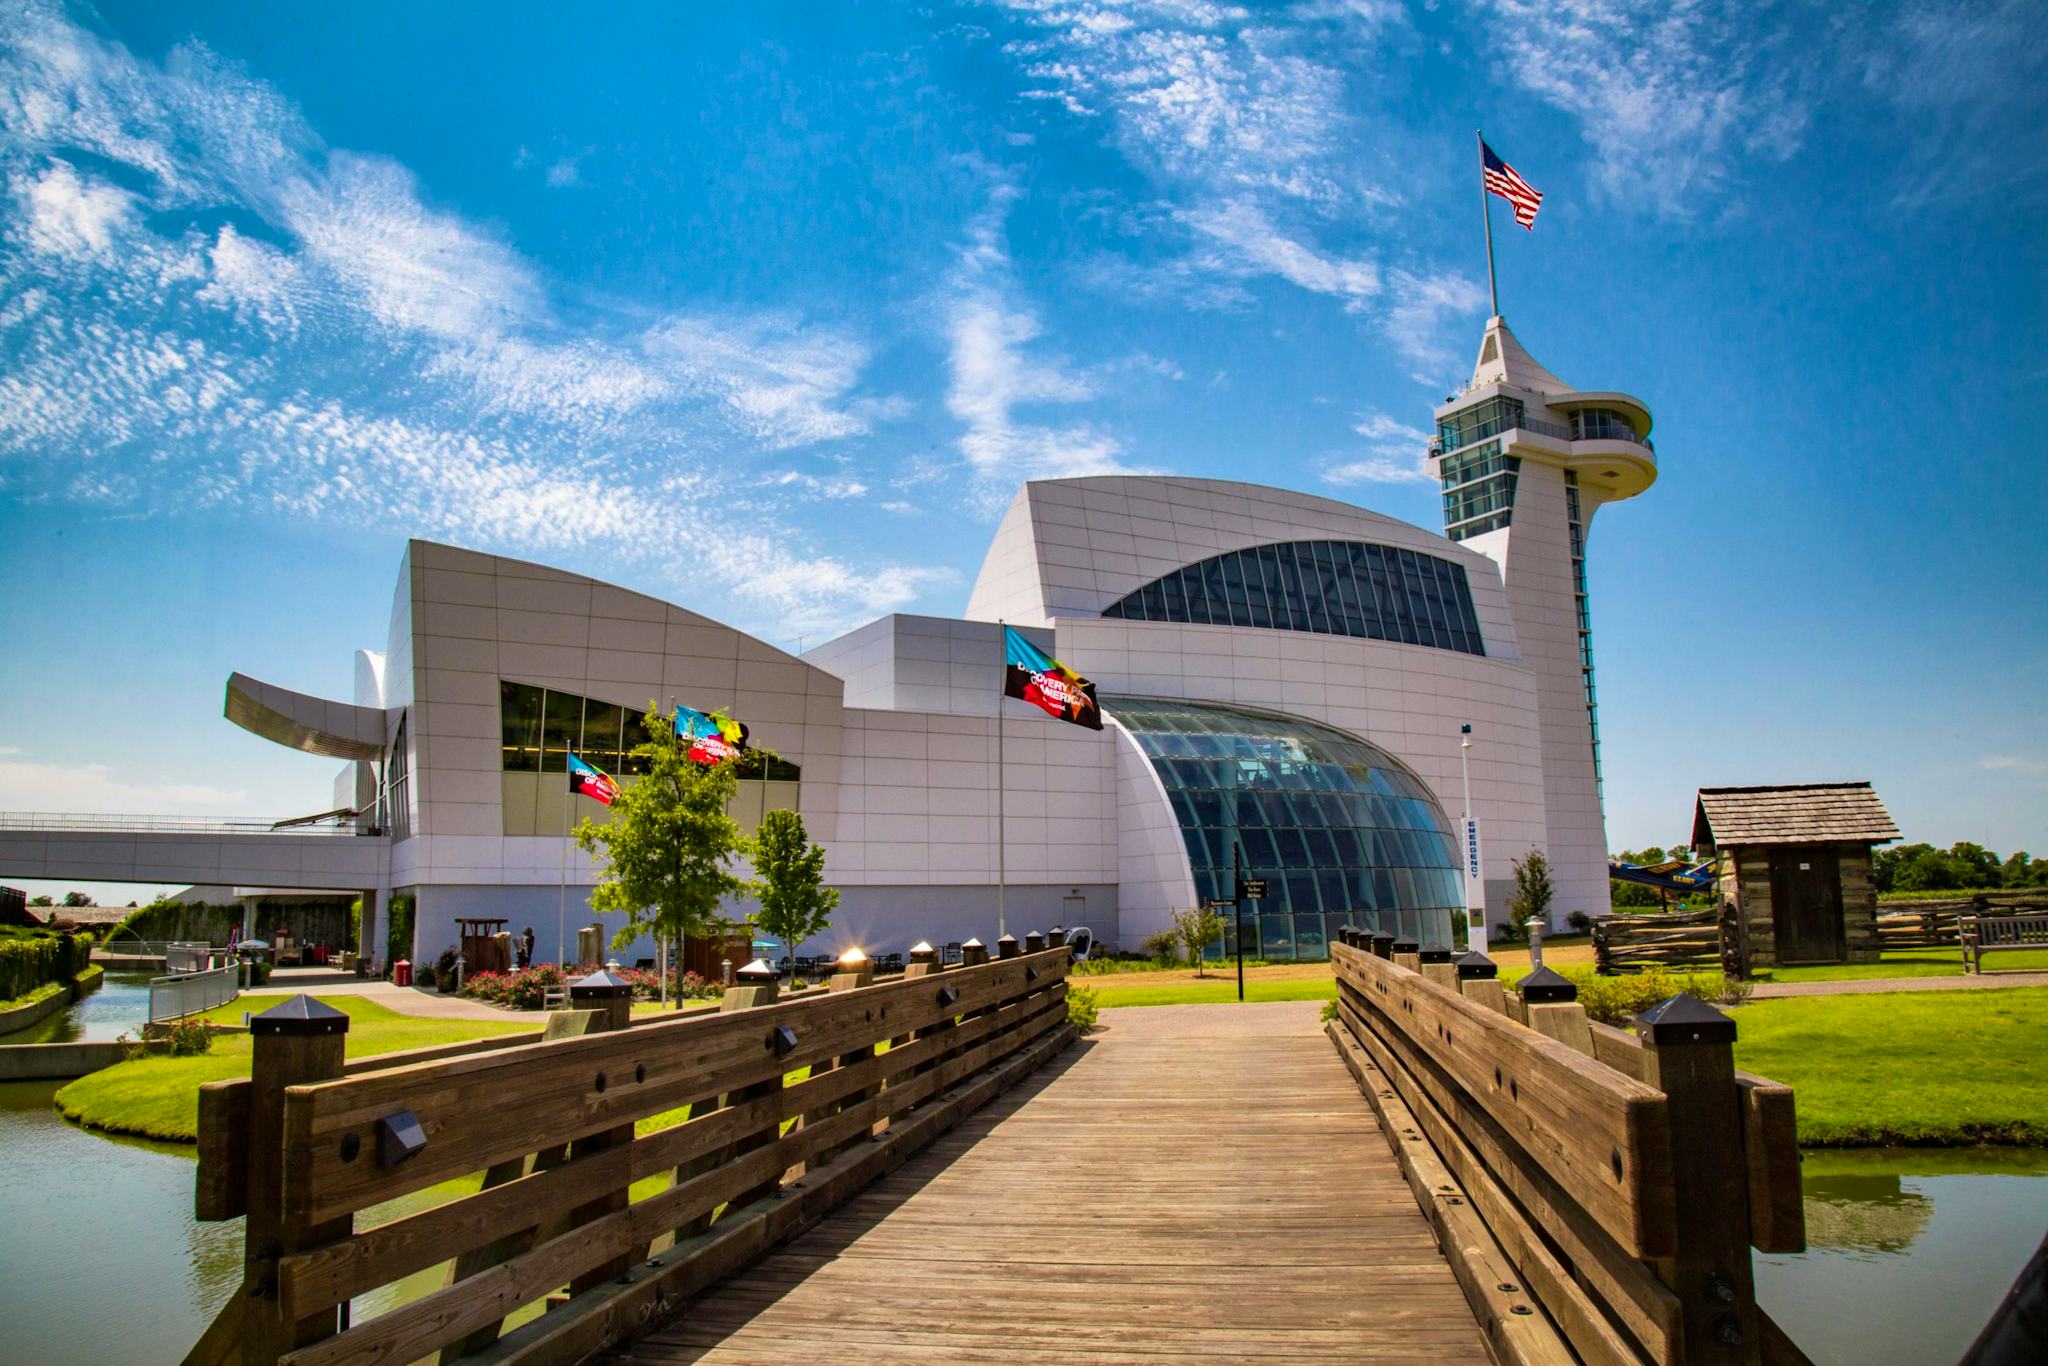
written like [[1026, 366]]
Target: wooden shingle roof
[[1808, 813]]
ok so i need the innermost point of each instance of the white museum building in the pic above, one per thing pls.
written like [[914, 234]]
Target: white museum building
[[1283, 678]]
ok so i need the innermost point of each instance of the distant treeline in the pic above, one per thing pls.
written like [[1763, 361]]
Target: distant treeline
[[1962, 867]]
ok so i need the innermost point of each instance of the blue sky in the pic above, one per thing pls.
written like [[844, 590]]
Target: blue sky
[[768, 308]]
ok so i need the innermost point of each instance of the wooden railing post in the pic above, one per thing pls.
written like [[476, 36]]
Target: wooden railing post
[[853, 971], [1551, 1006], [295, 1042], [1382, 945], [1006, 947], [1435, 961], [758, 985], [612, 996], [1034, 942], [1479, 980], [973, 954], [1689, 1055], [1407, 954]]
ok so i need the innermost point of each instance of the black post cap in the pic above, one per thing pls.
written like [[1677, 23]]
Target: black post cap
[[1684, 1019], [1349, 935], [1544, 986], [300, 1017], [1382, 945], [1034, 942], [602, 985], [1006, 947], [1475, 966], [757, 973], [1435, 953], [1406, 945]]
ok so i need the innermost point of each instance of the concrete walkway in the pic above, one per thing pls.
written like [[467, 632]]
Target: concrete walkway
[[1976, 981], [405, 1000]]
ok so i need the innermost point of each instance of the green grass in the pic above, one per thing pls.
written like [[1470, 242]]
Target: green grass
[[1934, 1068], [86, 979], [158, 1097], [1113, 992], [1909, 963]]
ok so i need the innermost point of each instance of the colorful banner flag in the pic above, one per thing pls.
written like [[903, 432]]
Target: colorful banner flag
[[1032, 675], [712, 737], [592, 782]]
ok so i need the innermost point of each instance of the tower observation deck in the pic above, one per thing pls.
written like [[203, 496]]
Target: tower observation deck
[[1525, 460]]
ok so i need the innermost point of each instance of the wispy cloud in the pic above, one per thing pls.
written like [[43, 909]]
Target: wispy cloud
[[28, 785], [1671, 96], [1393, 453], [1000, 371], [337, 346], [2014, 763], [1245, 119]]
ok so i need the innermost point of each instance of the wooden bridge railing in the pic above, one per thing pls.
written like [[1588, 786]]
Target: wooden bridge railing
[[1597, 1192], [794, 1106]]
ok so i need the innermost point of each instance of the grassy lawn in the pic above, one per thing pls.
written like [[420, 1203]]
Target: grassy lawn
[[158, 1097], [1911, 1068]]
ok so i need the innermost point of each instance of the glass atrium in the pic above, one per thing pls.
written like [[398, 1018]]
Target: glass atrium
[[1339, 829]]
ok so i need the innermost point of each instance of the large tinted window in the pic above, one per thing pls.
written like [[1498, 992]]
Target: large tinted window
[[1339, 830], [1342, 588]]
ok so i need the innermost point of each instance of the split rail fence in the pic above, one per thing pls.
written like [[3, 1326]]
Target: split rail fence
[[1713, 939], [585, 1228], [1597, 1192]]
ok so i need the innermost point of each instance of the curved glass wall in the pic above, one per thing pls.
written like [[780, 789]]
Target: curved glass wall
[[1337, 588], [1339, 829]]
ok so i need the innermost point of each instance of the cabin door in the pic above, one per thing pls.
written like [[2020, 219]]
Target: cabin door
[[1806, 905]]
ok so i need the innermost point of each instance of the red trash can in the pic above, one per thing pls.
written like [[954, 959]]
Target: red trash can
[[401, 973]]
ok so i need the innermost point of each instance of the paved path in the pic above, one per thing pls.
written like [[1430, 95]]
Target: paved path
[[1191, 1183], [404, 1000], [1976, 981]]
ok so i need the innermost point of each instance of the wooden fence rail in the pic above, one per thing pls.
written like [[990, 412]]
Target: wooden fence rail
[[1597, 1192], [792, 1107], [1712, 939]]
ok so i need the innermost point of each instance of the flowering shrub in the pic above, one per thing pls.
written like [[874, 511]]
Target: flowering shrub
[[688, 986], [521, 989]]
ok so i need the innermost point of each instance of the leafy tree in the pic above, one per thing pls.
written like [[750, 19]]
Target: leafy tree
[[2023, 871], [1197, 930], [42, 900], [1534, 891], [668, 849], [76, 899], [795, 902]]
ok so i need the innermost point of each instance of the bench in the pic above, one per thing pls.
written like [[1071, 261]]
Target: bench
[[1982, 934]]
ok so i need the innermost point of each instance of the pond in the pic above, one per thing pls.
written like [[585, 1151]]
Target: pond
[[101, 1257], [1908, 1250], [120, 1004]]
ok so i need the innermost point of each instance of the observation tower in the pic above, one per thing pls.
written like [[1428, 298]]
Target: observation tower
[[1525, 460]]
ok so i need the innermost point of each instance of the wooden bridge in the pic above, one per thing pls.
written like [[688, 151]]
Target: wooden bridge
[[933, 1168]]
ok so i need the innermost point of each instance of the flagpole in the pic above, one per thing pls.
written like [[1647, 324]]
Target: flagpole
[[1002, 812], [1486, 214], [562, 886]]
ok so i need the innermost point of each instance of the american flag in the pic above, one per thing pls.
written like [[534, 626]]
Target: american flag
[[1501, 179]]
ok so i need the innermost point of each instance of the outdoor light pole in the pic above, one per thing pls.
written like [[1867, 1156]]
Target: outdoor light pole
[[1237, 896], [1475, 910]]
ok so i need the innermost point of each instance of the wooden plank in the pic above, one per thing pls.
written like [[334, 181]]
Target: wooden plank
[[1586, 1328], [1629, 1289], [1770, 1144], [1517, 1330], [1603, 1137], [595, 1321], [221, 1189], [488, 1108], [1564, 1021]]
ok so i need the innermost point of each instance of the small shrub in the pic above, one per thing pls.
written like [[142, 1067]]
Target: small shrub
[[1163, 947], [1082, 1008], [423, 978], [1580, 922], [444, 966], [1617, 1000], [189, 1038], [1329, 1011]]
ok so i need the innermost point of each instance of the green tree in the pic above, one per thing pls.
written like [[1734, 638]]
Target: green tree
[[76, 899], [795, 902], [668, 850], [2021, 870], [1197, 930], [1534, 891]]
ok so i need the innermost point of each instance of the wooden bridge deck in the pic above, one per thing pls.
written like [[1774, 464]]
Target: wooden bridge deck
[[1143, 1198]]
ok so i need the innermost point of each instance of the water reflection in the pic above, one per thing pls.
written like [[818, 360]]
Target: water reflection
[[120, 1004], [1908, 1250]]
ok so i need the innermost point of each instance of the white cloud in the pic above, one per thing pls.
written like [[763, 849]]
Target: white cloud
[[1243, 226], [1672, 96], [72, 215], [1422, 309], [997, 369], [26, 785], [2014, 763], [563, 173], [1395, 453], [364, 357]]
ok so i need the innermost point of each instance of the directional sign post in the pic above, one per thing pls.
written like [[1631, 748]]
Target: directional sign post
[[1243, 889]]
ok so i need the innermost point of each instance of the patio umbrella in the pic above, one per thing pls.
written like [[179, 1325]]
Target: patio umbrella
[[253, 946]]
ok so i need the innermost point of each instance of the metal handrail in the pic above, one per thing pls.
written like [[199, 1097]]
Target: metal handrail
[[193, 825]]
